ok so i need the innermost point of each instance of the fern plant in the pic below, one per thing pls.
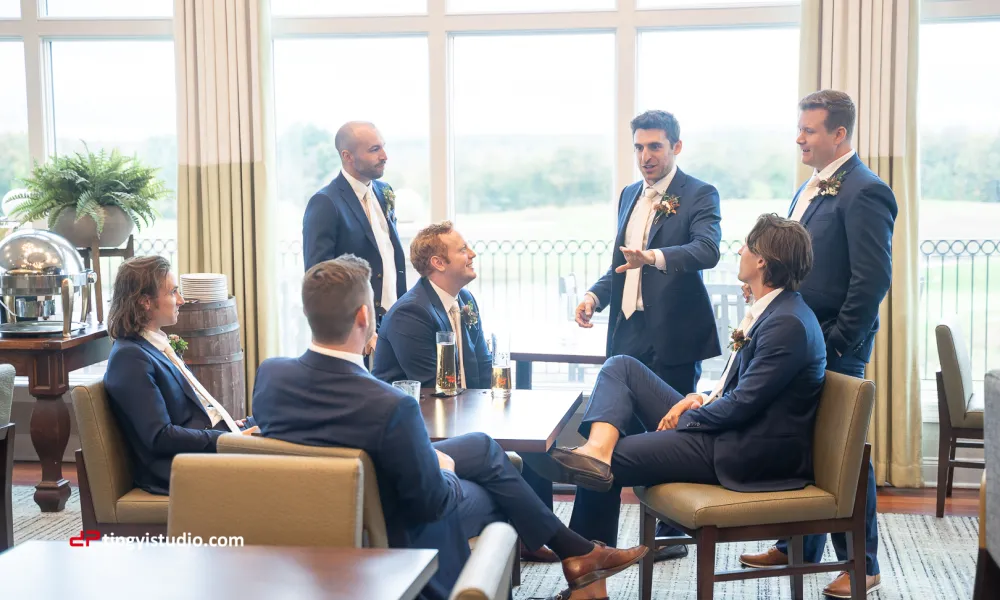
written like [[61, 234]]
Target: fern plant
[[88, 182]]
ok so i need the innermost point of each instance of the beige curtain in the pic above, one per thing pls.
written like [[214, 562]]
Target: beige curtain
[[868, 48], [225, 153]]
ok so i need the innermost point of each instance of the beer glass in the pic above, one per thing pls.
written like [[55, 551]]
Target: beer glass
[[446, 381], [500, 382]]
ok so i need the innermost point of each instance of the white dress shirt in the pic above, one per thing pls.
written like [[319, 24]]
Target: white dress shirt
[[380, 227], [450, 304], [812, 187], [216, 412], [641, 221], [756, 309], [348, 356]]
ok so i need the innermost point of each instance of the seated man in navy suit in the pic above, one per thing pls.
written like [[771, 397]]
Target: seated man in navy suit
[[440, 302], [752, 433], [433, 496], [161, 407]]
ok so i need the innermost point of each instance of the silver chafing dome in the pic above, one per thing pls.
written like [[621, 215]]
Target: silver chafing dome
[[35, 263]]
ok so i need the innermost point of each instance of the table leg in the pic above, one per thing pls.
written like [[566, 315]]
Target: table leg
[[49, 436], [522, 380]]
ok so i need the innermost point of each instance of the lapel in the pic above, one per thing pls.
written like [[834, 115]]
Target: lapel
[[438, 310], [795, 200], [744, 356], [675, 187], [845, 168], [349, 198], [178, 376], [620, 240]]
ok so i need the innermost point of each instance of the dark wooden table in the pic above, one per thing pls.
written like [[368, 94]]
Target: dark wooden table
[[528, 421], [562, 343], [46, 362], [111, 571]]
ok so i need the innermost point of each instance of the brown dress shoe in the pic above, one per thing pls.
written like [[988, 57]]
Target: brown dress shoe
[[582, 471], [542, 555], [600, 563], [841, 586], [772, 558]]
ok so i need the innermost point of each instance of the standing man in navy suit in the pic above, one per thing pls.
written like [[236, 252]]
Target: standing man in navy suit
[[850, 214], [161, 407], [668, 233], [355, 214], [752, 433]]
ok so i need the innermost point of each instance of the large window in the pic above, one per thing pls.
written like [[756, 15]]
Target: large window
[[108, 8], [379, 79], [94, 107], [960, 189], [14, 157], [345, 8]]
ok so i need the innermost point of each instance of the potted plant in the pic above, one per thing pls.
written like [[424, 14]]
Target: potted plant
[[88, 197]]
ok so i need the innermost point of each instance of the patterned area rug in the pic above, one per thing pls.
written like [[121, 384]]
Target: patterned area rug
[[920, 557]]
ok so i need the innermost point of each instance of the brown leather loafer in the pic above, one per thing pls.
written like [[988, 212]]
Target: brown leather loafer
[[841, 586], [600, 563], [542, 555], [772, 558], [583, 471]]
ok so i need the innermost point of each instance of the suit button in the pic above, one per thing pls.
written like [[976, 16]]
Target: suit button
[[378, 305], [379, 276]]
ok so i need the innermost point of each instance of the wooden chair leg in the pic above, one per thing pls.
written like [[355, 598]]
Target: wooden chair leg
[[647, 537], [951, 468], [515, 572], [942, 478], [707, 537], [796, 556]]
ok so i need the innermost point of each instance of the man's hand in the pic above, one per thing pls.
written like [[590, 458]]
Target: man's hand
[[747, 294], [370, 346], [446, 462], [635, 259], [690, 402], [585, 311], [251, 431]]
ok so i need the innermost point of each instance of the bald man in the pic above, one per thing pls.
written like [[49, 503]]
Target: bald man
[[355, 214]]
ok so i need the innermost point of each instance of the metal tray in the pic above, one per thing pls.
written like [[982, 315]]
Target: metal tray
[[38, 328]]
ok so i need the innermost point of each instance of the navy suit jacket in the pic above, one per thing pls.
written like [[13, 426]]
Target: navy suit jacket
[[763, 422], [852, 258], [407, 342], [678, 310], [335, 224], [319, 400], [157, 409]]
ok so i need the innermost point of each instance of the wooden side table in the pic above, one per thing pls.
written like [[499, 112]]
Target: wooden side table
[[94, 253], [46, 362]]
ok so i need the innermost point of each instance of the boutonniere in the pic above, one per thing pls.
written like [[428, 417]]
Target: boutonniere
[[178, 344], [831, 186], [390, 203], [666, 206], [738, 339], [469, 316]]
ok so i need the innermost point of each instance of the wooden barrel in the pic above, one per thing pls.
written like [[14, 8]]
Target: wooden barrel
[[214, 353]]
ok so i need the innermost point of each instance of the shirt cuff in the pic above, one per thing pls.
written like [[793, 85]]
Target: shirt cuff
[[660, 262], [705, 398], [597, 301]]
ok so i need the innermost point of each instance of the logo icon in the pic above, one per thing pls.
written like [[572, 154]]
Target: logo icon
[[86, 536]]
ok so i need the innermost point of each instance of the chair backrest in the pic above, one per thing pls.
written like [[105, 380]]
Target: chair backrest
[[105, 452], [956, 368], [6, 393], [486, 575], [373, 521], [267, 499], [845, 408]]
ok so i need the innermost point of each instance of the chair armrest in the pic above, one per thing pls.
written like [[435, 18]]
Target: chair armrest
[[486, 575]]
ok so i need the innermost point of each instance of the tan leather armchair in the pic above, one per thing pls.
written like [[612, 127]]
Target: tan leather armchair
[[960, 407], [267, 499], [487, 574], [711, 514], [109, 502]]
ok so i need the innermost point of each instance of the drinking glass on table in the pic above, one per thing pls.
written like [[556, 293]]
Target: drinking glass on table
[[446, 380], [499, 347], [409, 387]]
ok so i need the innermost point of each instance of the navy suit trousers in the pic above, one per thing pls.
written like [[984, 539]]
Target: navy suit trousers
[[626, 390], [813, 545]]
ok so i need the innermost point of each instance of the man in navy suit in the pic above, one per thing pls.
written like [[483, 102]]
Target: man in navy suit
[[668, 232], [752, 433], [433, 496], [849, 213], [160, 406], [355, 214]]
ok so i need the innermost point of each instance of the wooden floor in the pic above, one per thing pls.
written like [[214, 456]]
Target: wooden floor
[[964, 503]]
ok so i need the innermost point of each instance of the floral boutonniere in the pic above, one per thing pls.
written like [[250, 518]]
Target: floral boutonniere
[[469, 316], [390, 203], [666, 206], [178, 344], [831, 186], [738, 339]]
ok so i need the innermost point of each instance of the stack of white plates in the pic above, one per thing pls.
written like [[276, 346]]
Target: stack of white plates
[[204, 287]]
